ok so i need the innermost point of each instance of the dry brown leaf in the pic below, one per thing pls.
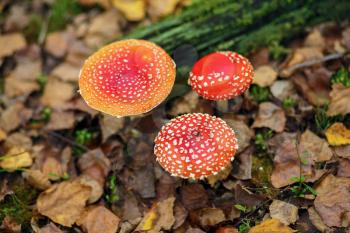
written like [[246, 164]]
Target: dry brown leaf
[[209, 216], [52, 167], [194, 196], [27, 69], [10, 225], [66, 72], [286, 213], [313, 147], [16, 158], [317, 221], [286, 165], [57, 43], [160, 217], [346, 37], [333, 200], [98, 219], [57, 93], [3, 135], [243, 132], [338, 134], [340, 98], [133, 10], [226, 230], [315, 39], [264, 76], [17, 19], [96, 187], [104, 28], [50, 228], [37, 179], [184, 104], [301, 55], [342, 151], [18, 139], [242, 165], [270, 116], [222, 175], [16, 87], [10, 43], [344, 168], [271, 226], [161, 8], [110, 125], [61, 120], [10, 119], [63, 203], [282, 89]]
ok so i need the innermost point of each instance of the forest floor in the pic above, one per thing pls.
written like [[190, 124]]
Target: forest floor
[[67, 168]]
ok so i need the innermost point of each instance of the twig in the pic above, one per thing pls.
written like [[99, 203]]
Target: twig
[[308, 63], [67, 140]]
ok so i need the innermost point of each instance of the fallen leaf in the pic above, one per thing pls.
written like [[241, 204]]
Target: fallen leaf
[[346, 37], [16, 87], [194, 196], [18, 139], [11, 119], [264, 76], [222, 175], [338, 134], [161, 8], [342, 151], [98, 219], [286, 213], [64, 203], [37, 179], [344, 168], [104, 27], [194, 230], [57, 43], [247, 198], [17, 19], [9, 225], [271, 226], [340, 98], [10, 43], [270, 116], [184, 104], [315, 39], [242, 165], [300, 55], [317, 221], [131, 209], [134, 10], [142, 181], [160, 217], [243, 132], [16, 158], [282, 89], [110, 125], [286, 165], [313, 147], [3, 135], [66, 72], [50, 228], [57, 93], [60, 120], [208, 217], [180, 214], [27, 69]]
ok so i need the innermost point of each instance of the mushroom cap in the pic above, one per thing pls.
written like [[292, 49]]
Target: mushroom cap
[[195, 146], [221, 75], [127, 77]]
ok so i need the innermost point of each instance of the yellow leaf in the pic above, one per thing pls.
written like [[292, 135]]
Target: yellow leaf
[[338, 134], [16, 158], [149, 220], [134, 10], [271, 226]]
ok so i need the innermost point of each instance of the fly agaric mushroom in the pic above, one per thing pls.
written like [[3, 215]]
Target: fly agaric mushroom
[[195, 146], [127, 77], [221, 75]]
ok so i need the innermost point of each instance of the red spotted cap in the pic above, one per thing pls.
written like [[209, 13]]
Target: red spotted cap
[[221, 75], [195, 146], [127, 77]]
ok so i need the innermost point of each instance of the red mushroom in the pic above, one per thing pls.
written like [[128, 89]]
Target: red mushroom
[[195, 146], [221, 75], [128, 77]]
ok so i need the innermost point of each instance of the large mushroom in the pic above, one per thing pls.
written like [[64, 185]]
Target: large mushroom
[[195, 146], [127, 77], [221, 75]]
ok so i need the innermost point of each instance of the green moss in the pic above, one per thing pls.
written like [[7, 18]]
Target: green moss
[[259, 94], [17, 205], [34, 27], [342, 76]]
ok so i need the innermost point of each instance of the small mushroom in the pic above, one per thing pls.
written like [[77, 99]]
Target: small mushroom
[[195, 146], [221, 75], [127, 77]]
